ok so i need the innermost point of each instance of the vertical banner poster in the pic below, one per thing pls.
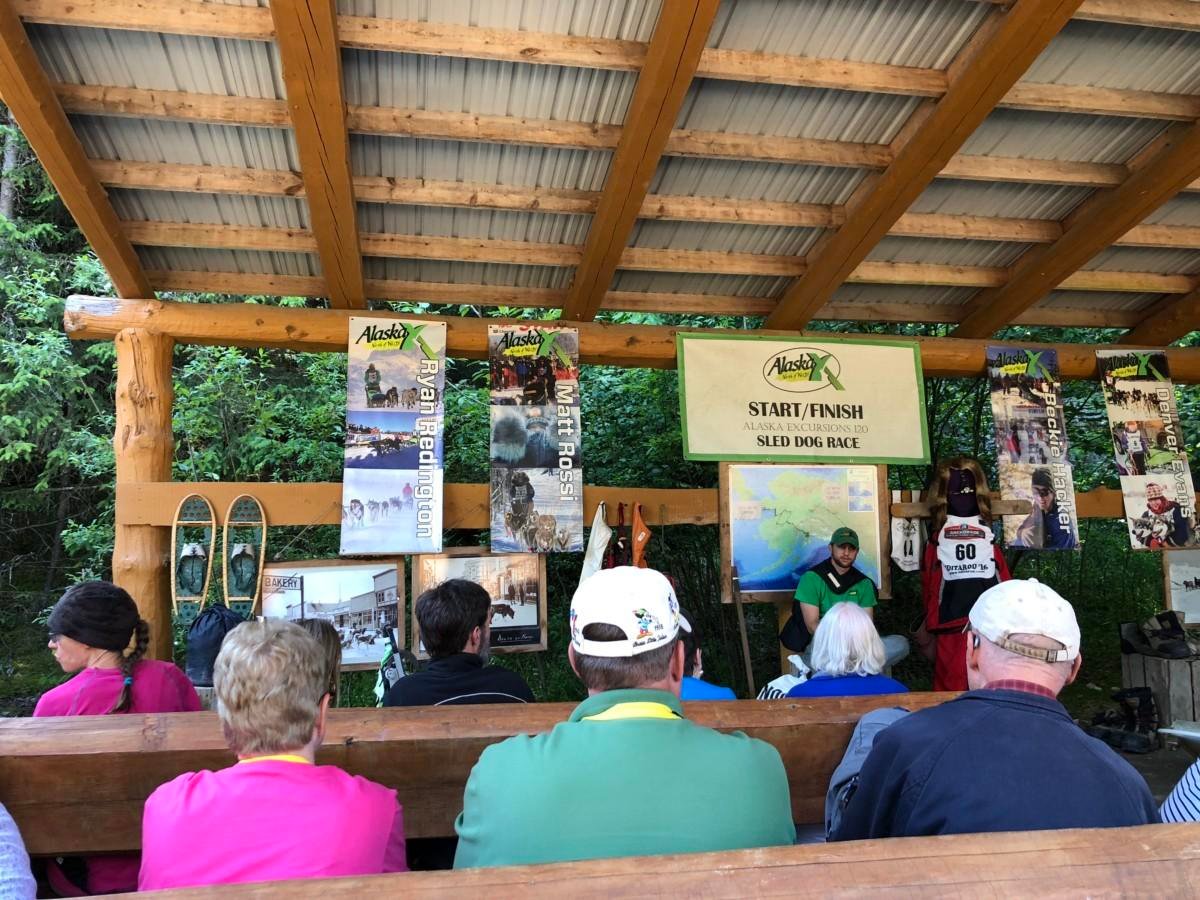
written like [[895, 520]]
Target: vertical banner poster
[[392, 478], [537, 479], [1160, 504], [1031, 447]]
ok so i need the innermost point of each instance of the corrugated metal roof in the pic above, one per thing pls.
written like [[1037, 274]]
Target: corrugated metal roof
[[765, 239], [924, 33], [153, 61], [499, 225], [981, 198], [1146, 259], [784, 111], [486, 87], [945, 252], [191, 259], [630, 20], [1045, 135], [698, 283], [506, 164], [1100, 300], [1182, 210], [210, 209], [754, 180], [160, 140], [901, 294], [1120, 56], [453, 272]]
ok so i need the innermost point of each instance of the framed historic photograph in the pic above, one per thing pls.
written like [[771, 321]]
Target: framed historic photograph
[[776, 521], [516, 582], [1181, 583], [362, 599]]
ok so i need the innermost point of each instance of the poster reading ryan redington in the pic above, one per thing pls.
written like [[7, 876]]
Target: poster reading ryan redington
[[536, 444], [1148, 444], [1031, 447], [776, 400], [392, 476]]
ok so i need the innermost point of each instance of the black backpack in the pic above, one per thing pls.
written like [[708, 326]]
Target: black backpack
[[204, 638]]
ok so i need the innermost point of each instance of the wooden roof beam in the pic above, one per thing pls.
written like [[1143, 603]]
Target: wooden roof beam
[[650, 346], [410, 246], [306, 32], [675, 48], [998, 54], [1173, 162], [256, 112], [250, 284], [28, 94], [430, 192], [1167, 322]]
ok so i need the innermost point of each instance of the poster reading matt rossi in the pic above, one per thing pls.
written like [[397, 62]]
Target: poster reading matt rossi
[[392, 475]]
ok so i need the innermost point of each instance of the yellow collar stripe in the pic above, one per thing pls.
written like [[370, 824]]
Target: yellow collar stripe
[[278, 757], [641, 709]]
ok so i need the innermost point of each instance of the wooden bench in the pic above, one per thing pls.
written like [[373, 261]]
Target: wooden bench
[[77, 785], [1148, 861]]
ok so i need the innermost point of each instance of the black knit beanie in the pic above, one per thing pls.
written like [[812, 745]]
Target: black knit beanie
[[95, 613]]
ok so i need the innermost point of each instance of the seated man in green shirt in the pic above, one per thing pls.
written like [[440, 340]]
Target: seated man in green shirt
[[836, 580], [626, 774]]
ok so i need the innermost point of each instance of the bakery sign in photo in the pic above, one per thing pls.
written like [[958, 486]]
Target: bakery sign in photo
[[772, 399]]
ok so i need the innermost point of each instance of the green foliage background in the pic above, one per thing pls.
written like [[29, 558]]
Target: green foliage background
[[270, 415]]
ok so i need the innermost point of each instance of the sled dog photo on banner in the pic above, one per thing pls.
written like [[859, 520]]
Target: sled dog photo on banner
[[1148, 445], [392, 474], [1031, 447], [536, 441]]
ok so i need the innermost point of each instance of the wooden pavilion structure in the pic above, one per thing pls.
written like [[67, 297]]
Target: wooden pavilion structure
[[1030, 162]]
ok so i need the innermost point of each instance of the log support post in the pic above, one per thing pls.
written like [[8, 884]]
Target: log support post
[[144, 447]]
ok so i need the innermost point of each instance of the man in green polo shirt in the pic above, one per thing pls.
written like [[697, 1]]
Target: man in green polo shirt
[[626, 774], [836, 580]]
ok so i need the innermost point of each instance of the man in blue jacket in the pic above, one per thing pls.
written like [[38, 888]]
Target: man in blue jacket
[[1006, 755]]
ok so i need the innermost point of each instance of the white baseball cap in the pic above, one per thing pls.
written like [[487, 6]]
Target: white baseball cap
[[640, 602], [1026, 606]]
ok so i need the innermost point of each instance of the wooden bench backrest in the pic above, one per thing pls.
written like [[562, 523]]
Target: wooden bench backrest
[[1148, 861], [77, 785]]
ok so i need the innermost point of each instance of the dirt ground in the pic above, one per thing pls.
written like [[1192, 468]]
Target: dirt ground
[[1162, 769]]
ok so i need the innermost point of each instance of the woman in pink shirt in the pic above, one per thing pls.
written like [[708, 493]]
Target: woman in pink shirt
[[275, 814], [95, 631]]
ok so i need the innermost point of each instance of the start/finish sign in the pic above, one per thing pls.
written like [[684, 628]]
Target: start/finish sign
[[793, 399]]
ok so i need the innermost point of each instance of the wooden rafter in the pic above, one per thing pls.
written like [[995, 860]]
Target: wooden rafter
[[27, 92], [430, 192], [256, 112], [412, 246], [249, 284], [1170, 320], [306, 31], [993, 60], [662, 84], [1173, 161], [442, 39]]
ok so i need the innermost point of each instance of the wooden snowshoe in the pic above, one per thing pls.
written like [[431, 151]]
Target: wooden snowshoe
[[193, 542], [245, 546]]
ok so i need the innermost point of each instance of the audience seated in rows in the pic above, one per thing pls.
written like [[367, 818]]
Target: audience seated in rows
[[626, 774], [274, 814], [95, 630], [692, 687], [330, 642], [454, 621], [847, 657], [1005, 756]]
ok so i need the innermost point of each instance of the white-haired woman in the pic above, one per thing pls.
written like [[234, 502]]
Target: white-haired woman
[[847, 657]]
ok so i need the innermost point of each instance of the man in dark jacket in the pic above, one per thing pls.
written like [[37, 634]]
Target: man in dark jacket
[[454, 619], [1005, 756]]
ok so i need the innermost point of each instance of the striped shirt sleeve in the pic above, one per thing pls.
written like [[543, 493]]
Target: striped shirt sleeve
[[1183, 804]]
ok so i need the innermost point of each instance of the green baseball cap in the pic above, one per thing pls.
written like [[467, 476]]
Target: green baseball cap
[[845, 536]]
